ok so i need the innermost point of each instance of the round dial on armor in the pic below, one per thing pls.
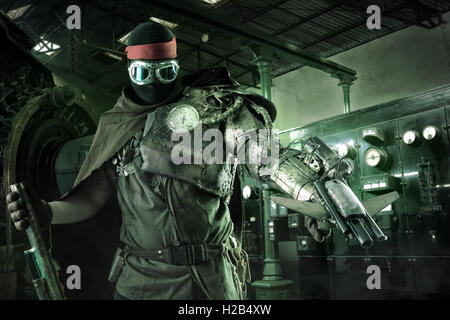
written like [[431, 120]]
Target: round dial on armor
[[183, 118], [375, 157]]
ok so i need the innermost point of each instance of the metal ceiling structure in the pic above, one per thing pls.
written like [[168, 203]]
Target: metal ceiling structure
[[291, 33]]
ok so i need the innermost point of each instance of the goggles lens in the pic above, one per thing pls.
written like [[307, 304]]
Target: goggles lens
[[167, 73], [142, 72]]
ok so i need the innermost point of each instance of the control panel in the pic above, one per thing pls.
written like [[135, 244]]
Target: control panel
[[399, 146]]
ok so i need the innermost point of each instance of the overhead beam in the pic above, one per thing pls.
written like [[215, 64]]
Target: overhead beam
[[352, 26], [220, 57], [106, 70], [207, 21], [263, 11], [419, 21], [308, 18]]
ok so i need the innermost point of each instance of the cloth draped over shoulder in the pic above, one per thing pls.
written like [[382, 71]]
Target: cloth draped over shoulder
[[126, 118], [115, 128], [119, 124]]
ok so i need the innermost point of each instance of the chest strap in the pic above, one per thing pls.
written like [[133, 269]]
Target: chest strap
[[189, 254]]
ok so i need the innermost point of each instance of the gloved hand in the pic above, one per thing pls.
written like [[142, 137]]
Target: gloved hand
[[18, 211], [316, 233]]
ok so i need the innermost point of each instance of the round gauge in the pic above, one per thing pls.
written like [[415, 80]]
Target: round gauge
[[375, 157], [183, 118], [410, 137], [430, 133], [246, 192], [344, 150], [373, 135]]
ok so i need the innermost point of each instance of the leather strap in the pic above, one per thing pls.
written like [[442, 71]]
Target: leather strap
[[178, 255]]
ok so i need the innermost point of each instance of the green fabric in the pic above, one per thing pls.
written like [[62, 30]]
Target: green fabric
[[117, 126], [159, 212]]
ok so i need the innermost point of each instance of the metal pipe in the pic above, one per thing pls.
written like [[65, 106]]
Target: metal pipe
[[272, 268], [272, 286], [265, 68], [331, 207], [346, 90]]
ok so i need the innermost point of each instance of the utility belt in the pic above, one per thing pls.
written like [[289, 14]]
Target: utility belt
[[181, 255]]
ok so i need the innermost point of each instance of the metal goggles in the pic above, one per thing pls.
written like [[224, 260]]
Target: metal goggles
[[142, 72]]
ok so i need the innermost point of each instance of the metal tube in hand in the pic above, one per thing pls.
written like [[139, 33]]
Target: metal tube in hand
[[37, 243]]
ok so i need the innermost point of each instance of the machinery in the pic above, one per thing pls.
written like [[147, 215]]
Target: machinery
[[324, 176], [37, 119], [401, 146]]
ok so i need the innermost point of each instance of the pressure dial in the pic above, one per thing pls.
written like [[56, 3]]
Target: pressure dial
[[410, 137], [345, 150], [430, 133], [375, 157], [249, 193], [246, 192], [183, 118], [373, 135]]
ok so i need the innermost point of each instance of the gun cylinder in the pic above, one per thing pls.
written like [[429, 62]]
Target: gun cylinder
[[331, 207], [375, 228], [360, 232]]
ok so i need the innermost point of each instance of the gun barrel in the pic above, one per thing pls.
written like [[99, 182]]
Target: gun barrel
[[37, 243], [375, 228], [360, 233], [331, 208]]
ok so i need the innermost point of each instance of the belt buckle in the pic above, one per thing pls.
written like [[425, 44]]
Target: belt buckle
[[187, 254], [179, 255]]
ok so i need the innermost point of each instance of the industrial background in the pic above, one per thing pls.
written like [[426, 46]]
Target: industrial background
[[380, 94]]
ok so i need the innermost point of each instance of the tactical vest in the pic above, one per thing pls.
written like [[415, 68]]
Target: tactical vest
[[171, 125]]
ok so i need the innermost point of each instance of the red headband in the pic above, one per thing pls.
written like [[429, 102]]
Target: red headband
[[153, 51]]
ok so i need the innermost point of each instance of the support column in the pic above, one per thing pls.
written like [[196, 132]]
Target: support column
[[265, 68], [272, 286], [345, 84]]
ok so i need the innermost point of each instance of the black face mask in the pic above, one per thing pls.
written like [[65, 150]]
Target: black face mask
[[148, 33], [153, 93]]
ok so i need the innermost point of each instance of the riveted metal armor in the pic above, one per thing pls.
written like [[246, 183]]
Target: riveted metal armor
[[161, 140], [208, 108]]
